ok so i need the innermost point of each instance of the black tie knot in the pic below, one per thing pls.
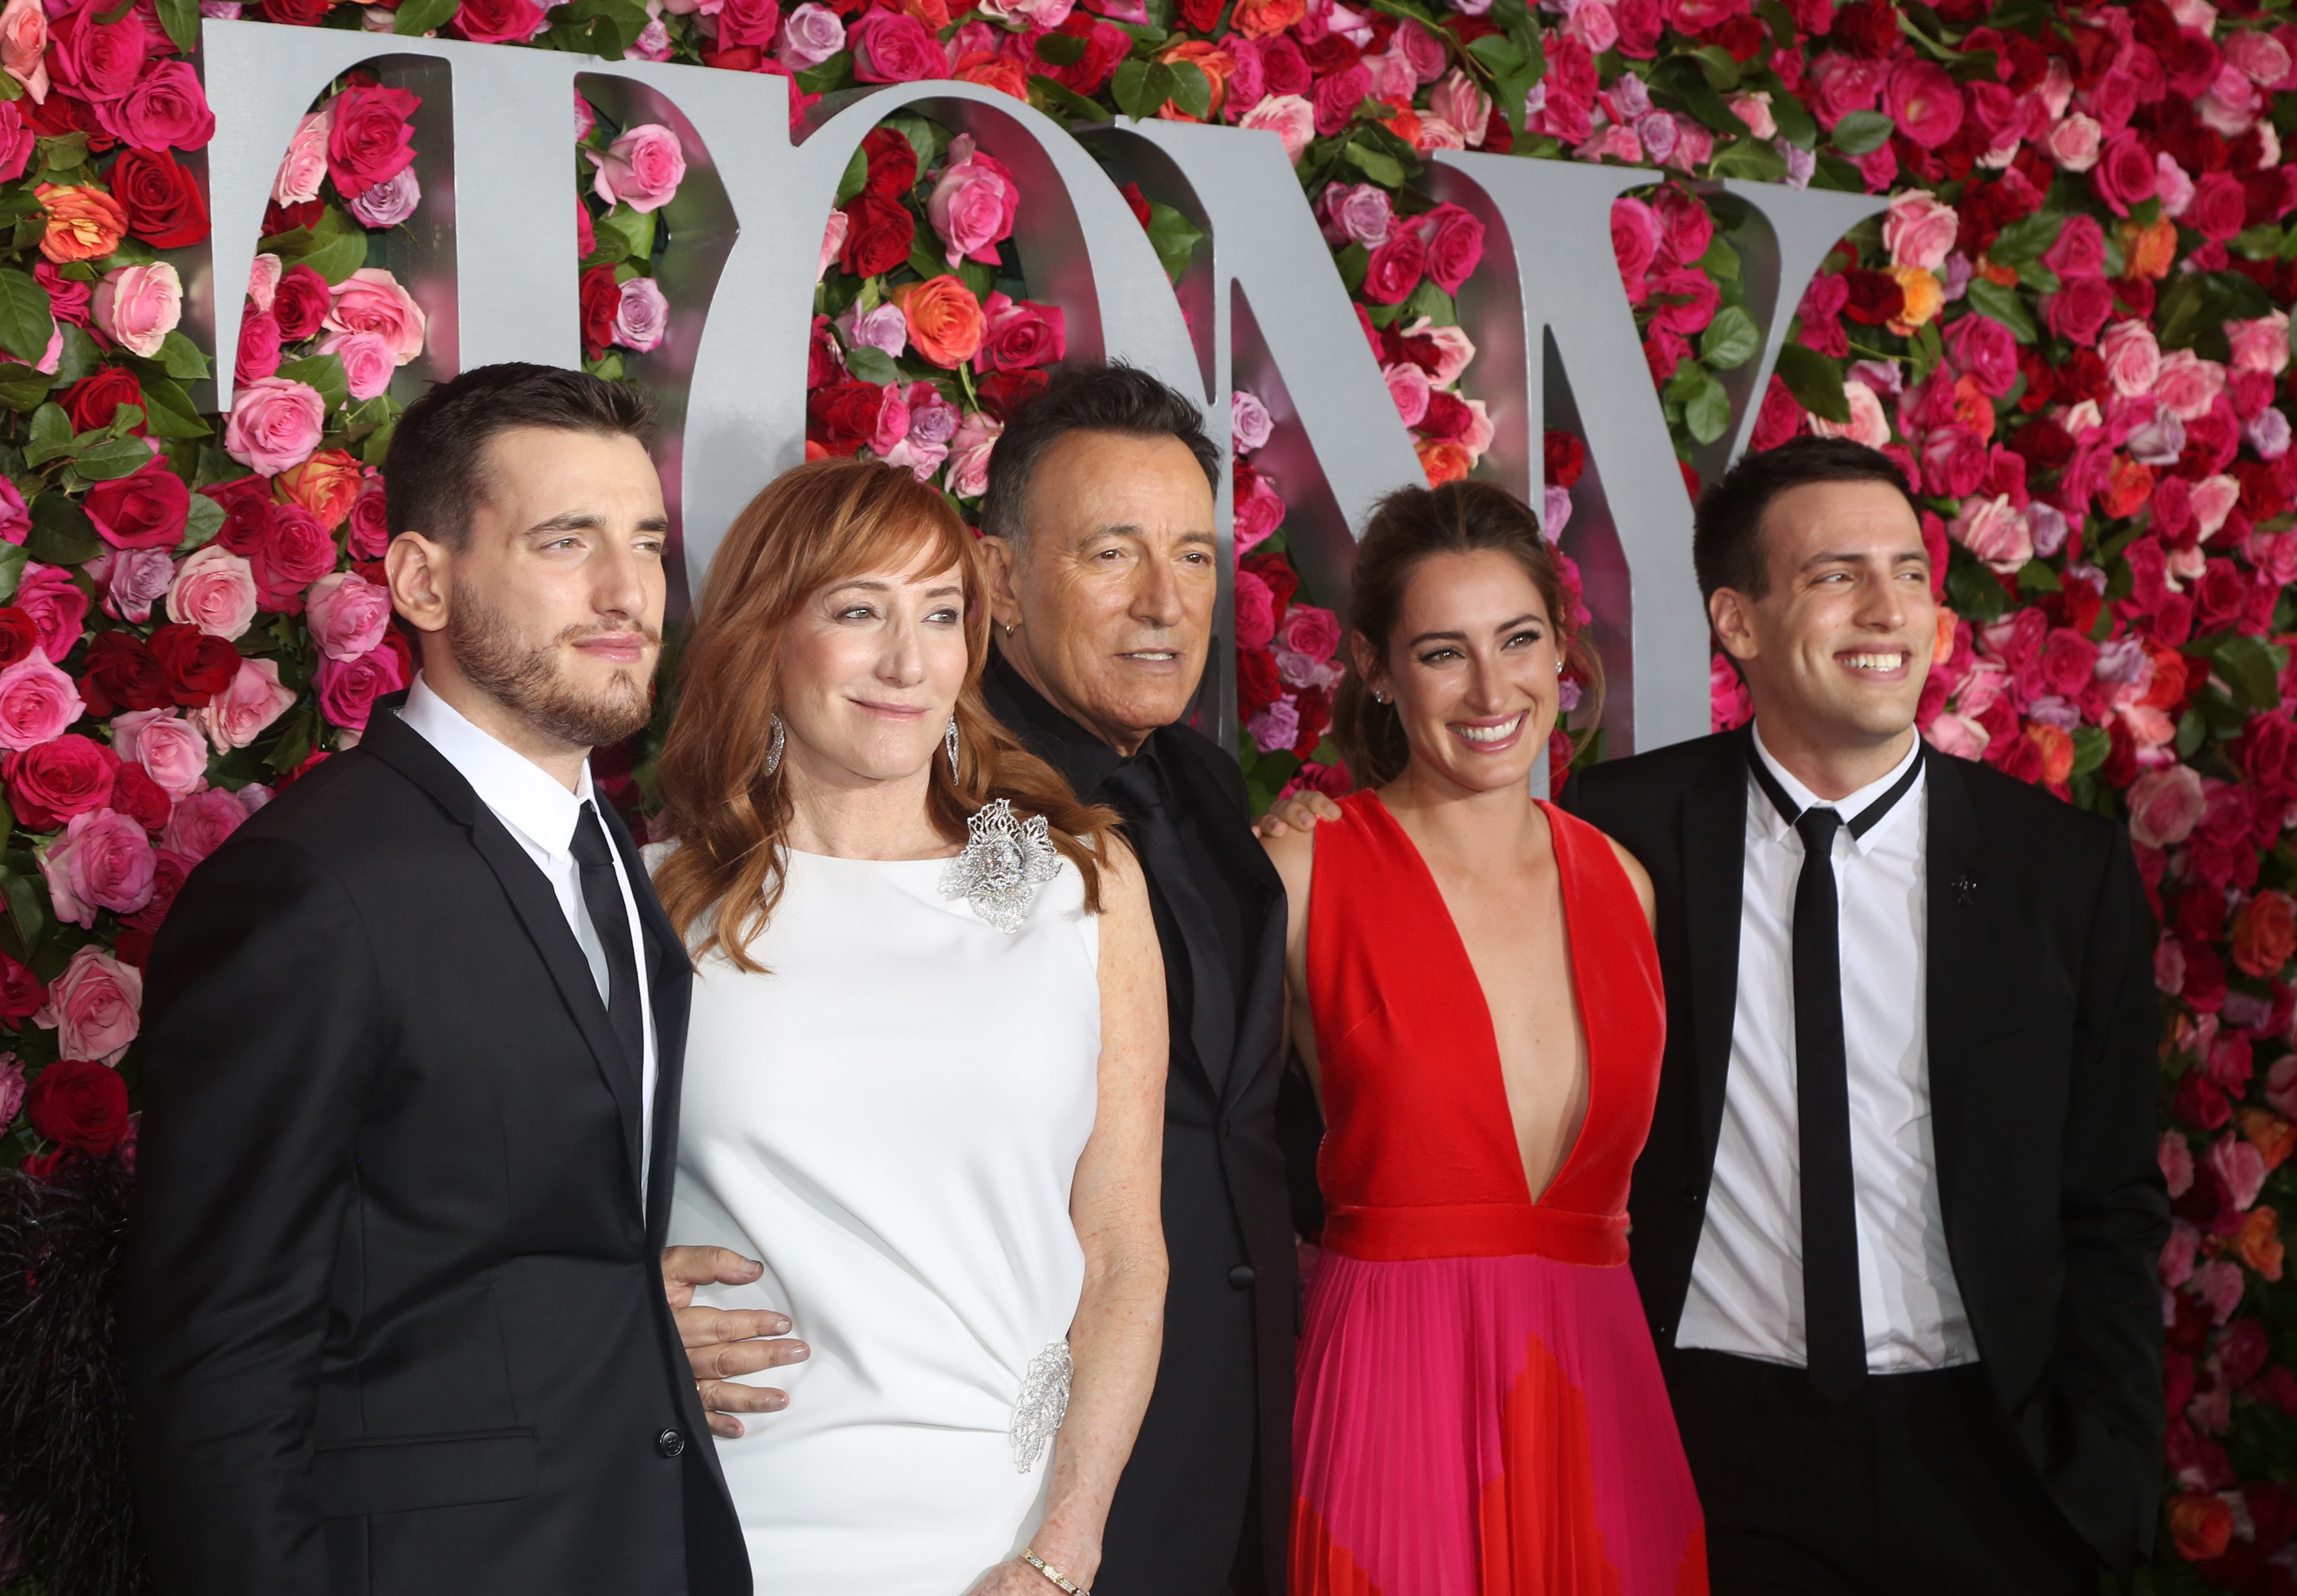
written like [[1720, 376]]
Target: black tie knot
[[589, 845], [1817, 826]]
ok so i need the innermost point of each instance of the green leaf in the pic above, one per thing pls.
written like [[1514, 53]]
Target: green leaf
[[2026, 239], [324, 373], [1174, 237], [1497, 52], [1707, 411], [1382, 168], [872, 364], [205, 520], [1192, 91], [1061, 49], [631, 232], [2248, 665], [24, 908], [62, 533], [1991, 299], [1682, 78], [1129, 87], [1756, 161], [25, 323], [604, 27], [167, 411], [114, 457], [2091, 744], [1056, 96], [1729, 340], [1862, 132], [79, 356], [856, 174], [827, 75], [419, 17], [1796, 124], [13, 559], [1717, 65], [181, 359], [50, 436], [1815, 382], [336, 259], [2034, 576]]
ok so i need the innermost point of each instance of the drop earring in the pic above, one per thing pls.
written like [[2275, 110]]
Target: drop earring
[[949, 741], [774, 748]]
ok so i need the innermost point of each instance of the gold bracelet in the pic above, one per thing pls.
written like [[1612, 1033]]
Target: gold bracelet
[[1030, 1557]]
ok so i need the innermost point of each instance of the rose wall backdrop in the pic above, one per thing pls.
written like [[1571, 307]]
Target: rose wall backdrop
[[2071, 328]]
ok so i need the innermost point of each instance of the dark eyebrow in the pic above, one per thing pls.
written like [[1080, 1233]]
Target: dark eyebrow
[[583, 520], [1850, 557], [1504, 626]]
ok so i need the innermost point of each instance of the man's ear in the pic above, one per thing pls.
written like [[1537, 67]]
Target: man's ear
[[420, 574], [1004, 601], [1729, 612]]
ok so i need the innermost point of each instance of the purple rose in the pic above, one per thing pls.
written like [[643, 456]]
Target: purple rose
[[643, 318]]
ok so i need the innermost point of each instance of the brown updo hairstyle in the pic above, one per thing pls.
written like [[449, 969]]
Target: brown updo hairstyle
[[825, 521], [1407, 527]]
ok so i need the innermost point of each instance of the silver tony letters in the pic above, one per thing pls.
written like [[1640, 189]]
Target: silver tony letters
[[491, 256]]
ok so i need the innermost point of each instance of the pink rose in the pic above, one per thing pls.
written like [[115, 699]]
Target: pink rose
[[1923, 101], [1459, 102], [2165, 805], [1868, 424], [833, 243], [2187, 385], [1021, 333], [263, 281], [2078, 310], [138, 306], [371, 301], [93, 1007], [57, 607], [1634, 243], [258, 347], [1984, 350], [348, 689], [2073, 143], [811, 35], [2261, 57], [974, 204], [201, 822], [12, 1088], [969, 453], [2263, 344], [1918, 231], [2133, 360], [1310, 631], [215, 591], [390, 201], [2079, 251], [368, 361], [1407, 385], [2125, 174], [133, 579], [275, 424], [1456, 246], [1255, 612], [348, 614], [890, 47], [1395, 268], [102, 861], [15, 520], [1454, 350], [166, 109], [641, 170], [240, 713], [24, 46], [169, 747], [305, 165], [1258, 514], [37, 702], [2214, 499], [747, 22], [642, 315], [368, 533], [1250, 424], [1994, 531], [1355, 213], [1290, 117]]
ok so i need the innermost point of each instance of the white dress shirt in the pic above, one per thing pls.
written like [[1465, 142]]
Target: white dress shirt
[[1746, 1278], [540, 815]]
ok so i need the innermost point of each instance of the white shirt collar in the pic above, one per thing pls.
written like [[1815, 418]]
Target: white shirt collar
[[522, 794], [1849, 807]]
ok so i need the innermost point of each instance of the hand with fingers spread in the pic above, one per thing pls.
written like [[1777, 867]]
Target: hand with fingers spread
[[724, 1344], [1299, 812]]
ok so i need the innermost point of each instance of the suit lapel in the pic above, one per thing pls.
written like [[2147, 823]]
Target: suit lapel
[[1955, 894], [670, 990], [1714, 868]]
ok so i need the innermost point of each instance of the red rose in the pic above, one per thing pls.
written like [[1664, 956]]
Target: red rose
[[162, 199], [497, 22], [2079, 309], [133, 794], [301, 303], [1276, 574], [1395, 268], [121, 674], [2124, 174], [1447, 418], [79, 1104], [299, 551], [169, 869], [824, 361], [296, 14], [878, 234], [367, 531], [1106, 45], [2218, 207], [1285, 65], [843, 416], [246, 503], [197, 667], [93, 400], [51, 782], [145, 509], [18, 634], [893, 163], [1020, 333], [1868, 29], [348, 689], [21, 994], [602, 302], [1456, 246], [370, 141], [1566, 457], [1256, 683], [258, 347], [1874, 298], [1002, 392]]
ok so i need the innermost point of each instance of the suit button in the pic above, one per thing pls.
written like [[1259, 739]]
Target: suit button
[[1694, 1200], [1241, 1277], [669, 1443]]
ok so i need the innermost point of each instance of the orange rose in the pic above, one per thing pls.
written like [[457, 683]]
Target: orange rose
[[84, 224], [944, 318], [1214, 63], [2265, 934], [1257, 18], [2201, 1524], [2057, 746], [933, 14], [1443, 460], [1972, 408], [1942, 650], [992, 70], [327, 484], [2273, 1137], [1925, 294], [2127, 486], [2150, 251], [2261, 1241], [2005, 276], [1401, 119]]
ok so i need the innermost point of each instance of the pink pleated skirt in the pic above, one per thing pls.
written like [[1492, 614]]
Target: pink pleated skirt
[[1486, 1427]]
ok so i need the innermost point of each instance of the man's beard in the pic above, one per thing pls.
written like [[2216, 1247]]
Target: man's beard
[[527, 681]]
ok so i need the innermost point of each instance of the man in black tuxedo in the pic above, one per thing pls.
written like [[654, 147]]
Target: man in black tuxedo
[[1105, 568], [393, 1314], [1896, 1223]]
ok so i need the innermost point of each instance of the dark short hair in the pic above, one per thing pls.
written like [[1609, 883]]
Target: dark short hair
[[436, 470], [1111, 397], [1726, 546]]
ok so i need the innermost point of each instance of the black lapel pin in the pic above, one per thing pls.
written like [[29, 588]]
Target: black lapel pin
[[1965, 890]]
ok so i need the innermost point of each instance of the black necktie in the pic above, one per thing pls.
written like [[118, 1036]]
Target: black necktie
[[602, 895], [1832, 1319], [1139, 785]]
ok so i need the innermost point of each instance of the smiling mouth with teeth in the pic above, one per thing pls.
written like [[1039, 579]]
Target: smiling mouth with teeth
[[1491, 734], [1875, 661]]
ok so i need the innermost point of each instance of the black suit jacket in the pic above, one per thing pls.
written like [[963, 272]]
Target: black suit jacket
[[1226, 1203], [2042, 1026], [393, 1318]]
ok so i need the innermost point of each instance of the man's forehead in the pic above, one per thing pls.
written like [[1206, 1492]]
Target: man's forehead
[[1872, 519]]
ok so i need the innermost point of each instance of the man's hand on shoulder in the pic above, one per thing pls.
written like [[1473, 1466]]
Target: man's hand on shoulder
[[724, 1344], [1299, 812]]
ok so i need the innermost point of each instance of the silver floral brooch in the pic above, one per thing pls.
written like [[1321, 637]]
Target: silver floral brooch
[[1006, 860], [1044, 1404]]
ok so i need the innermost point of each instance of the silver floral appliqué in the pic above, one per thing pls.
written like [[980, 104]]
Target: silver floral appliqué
[[1006, 860], [1044, 1404]]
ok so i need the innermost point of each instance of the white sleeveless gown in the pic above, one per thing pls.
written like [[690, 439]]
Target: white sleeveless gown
[[891, 1119]]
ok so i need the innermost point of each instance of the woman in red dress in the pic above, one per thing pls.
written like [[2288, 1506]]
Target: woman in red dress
[[1475, 992]]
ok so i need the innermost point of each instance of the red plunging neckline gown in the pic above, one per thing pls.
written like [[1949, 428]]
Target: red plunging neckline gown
[[1480, 1411]]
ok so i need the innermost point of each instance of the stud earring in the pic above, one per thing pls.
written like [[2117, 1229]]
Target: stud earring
[[1009, 631], [774, 748], [949, 741]]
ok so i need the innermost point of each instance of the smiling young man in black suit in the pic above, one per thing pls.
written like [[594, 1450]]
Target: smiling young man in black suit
[[1896, 1223], [394, 1316]]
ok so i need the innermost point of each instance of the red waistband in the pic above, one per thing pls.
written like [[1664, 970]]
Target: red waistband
[[1477, 1230]]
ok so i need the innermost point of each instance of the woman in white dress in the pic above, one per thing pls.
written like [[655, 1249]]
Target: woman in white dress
[[924, 1070]]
